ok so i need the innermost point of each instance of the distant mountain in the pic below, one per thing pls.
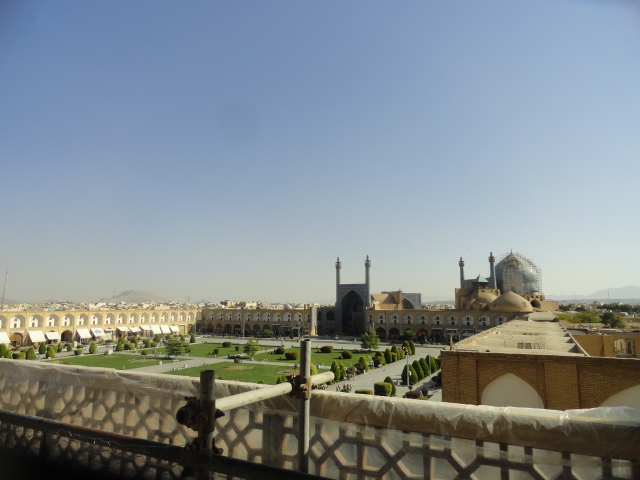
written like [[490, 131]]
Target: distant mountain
[[621, 293], [135, 296]]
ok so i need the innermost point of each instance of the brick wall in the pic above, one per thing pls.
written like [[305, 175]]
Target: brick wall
[[563, 382]]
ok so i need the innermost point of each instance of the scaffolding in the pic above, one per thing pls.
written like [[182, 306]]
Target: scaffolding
[[517, 273]]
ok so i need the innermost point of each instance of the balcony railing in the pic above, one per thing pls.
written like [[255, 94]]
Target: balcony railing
[[128, 427]]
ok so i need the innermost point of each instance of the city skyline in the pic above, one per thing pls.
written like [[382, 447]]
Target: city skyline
[[234, 150]]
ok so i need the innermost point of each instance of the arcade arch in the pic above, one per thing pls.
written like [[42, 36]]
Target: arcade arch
[[510, 390]]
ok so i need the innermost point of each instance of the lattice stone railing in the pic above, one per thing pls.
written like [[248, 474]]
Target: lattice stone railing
[[352, 436]]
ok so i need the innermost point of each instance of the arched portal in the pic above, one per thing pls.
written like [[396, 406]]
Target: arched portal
[[67, 336], [626, 398], [511, 391], [382, 333], [16, 339], [352, 312]]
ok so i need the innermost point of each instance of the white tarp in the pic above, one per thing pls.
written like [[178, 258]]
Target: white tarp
[[174, 329], [134, 329], [165, 329], [83, 333], [156, 329], [97, 332], [123, 329], [146, 328], [52, 335], [4, 338], [37, 336]]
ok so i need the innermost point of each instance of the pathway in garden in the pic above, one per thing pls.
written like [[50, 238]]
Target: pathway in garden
[[366, 381]]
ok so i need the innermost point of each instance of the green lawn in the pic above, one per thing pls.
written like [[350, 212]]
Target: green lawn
[[119, 362], [243, 372], [316, 357], [206, 349]]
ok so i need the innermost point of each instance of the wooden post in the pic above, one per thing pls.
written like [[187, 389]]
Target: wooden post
[[207, 407], [304, 408]]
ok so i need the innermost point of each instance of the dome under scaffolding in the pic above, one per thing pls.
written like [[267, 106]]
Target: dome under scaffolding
[[516, 273]]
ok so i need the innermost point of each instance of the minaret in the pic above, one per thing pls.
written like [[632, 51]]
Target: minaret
[[492, 270], [461, 265], [338, 267], [367, 292]]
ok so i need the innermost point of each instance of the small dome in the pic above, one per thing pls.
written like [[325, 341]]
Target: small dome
[[288, 307], [511, 302]]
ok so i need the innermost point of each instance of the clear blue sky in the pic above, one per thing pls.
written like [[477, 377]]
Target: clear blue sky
[[233, 149]]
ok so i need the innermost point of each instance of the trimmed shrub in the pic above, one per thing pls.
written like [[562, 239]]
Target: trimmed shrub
[[313, 369], [293, 355], [153, 344], [364, 391], [416, 366], [51, 352], [77, 351], [279, 351], [387, 356], [394, 357], [281, 379], [3, 349], [393, 385], [42, 348], [415, 394], [326, 349], [394, 349], [30, 354], [157, 338], [365, 364], [119, 347], [59, 347], [69, 347], [261, 382], [144, 352], [414, 375], [192, 338], [345, 390], [412, 347], [379, 361], [425, 367], [400, 354], [92, 347], [346, 355], [147, 342], [19, 355], [382, 389], [237, 348], [216, 351], [182, 338], [8, 355], [226, 344]]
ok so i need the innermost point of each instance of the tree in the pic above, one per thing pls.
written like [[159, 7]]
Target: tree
[[92, 347], [370, 340], [192, 338], [387, 356], [31, 354], [408, 334], [414, 375], [586, 316], [610, 319], [251, 347], [51, 353], [175, 348], [413, 347], [42, 348]]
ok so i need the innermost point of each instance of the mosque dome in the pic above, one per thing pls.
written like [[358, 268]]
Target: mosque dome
[[288, 306], [477, 301], [511, 302], [516, 273]]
